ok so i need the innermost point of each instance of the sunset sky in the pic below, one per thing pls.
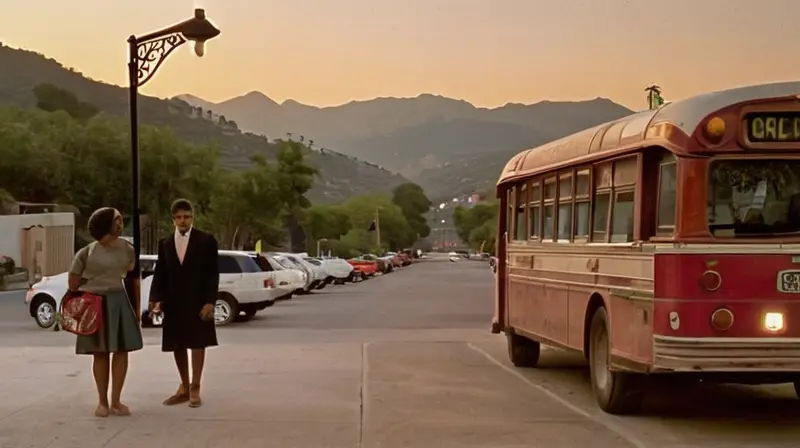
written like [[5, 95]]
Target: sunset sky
[[489, 52]]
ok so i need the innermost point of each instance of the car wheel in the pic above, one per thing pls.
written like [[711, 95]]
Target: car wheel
[[44, 311], [225, 310]]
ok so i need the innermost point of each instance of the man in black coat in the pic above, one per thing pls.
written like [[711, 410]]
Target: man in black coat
[[185, 287]]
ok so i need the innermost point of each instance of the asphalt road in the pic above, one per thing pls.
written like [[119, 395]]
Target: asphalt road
[[418, 367]]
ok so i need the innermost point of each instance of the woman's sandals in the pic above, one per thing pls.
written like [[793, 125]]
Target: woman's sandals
[[181, 396]]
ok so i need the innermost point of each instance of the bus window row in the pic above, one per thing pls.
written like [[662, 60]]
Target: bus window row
[[591, 203]]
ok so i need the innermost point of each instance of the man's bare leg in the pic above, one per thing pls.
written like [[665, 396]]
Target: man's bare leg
[[182, 363], [198, 361]]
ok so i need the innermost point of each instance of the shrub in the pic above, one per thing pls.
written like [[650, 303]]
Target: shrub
[[7, 265]]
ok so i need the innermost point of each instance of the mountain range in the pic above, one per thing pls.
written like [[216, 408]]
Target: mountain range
[[449, 146], [340, 177]]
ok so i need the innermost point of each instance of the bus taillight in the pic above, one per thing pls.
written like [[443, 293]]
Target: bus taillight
[[711, 280], [722, 319]]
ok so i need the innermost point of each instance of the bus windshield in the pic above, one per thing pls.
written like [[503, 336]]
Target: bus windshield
[[754, 198]]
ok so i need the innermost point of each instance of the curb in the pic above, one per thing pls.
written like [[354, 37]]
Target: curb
[[14, 287]]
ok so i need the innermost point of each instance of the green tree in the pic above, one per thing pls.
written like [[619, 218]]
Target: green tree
[[395, 231], [294, 178], [414, 204], [475, 225], [51, 98]]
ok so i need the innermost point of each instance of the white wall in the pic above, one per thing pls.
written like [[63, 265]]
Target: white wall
[[11, 229]]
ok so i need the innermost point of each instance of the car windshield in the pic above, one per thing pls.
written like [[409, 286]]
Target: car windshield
[[285, 262], [754, 198], [313, 261]]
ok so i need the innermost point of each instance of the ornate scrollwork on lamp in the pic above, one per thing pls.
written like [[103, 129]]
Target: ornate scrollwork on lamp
[[150, 55]]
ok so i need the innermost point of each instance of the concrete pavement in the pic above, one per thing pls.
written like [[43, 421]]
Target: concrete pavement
[[422, 394], [404, 360]]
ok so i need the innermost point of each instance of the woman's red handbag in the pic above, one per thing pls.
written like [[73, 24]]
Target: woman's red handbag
[[81, 313]]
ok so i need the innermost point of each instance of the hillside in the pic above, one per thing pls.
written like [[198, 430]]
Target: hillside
[[340, 177], [441, 143]]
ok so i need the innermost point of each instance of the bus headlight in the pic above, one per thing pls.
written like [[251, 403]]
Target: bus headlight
[[773, 322]]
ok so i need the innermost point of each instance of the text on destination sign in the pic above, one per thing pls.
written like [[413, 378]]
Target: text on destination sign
[[773, 127]]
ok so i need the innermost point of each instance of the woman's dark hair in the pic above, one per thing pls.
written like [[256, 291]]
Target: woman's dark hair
[[180, 205], [101, 222]]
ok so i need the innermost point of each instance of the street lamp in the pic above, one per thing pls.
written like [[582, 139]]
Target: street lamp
[[321, 240], [146, 53]]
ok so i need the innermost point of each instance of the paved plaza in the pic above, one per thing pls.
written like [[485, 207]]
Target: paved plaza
[[403, 360]]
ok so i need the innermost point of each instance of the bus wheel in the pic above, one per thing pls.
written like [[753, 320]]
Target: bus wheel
[[616, 392], [522, 351]]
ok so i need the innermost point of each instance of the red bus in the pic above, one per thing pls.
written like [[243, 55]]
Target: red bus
[[666, 242]]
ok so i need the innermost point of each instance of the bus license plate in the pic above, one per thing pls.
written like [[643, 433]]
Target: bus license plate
[[789, 281]]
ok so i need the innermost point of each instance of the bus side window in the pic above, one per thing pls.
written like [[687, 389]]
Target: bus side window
[[534, 209], [510, 194], [666, 195], [565, 207], [624, 185], [521, 233], [601, 202], [582, 205], [549, 208]]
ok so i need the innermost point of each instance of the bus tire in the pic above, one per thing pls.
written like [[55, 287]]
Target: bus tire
[[617, 393], [522, 351]]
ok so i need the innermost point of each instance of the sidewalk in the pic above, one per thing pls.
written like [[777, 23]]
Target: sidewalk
[[415, 394]]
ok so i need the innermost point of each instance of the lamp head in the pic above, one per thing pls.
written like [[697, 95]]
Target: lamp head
[[199, 30]]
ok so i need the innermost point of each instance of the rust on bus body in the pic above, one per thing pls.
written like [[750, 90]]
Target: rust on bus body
[[546, 290]]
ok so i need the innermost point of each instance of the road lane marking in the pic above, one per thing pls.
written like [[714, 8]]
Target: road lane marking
[[604, 420], [363, 392]]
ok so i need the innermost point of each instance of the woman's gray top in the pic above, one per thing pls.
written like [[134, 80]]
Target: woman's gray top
[[103, 267]]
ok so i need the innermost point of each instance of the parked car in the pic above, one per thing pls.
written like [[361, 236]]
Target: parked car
[[392, 258], [289, 263], [384, 266], [405, 258], [314, 272], [244, 289], [338, 271], [287, 280], [319, 271], [365, 267]]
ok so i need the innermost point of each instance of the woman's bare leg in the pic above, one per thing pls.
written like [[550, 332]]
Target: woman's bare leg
[[119, 370], [100, 370]]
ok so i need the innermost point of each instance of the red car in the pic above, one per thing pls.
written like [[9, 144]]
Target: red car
[[367, 268], [404, 258]]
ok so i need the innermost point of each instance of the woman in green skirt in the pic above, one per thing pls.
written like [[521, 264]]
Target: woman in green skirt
[[100, 268]]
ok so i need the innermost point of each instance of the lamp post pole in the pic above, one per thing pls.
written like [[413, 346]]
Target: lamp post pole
[[145, 55]]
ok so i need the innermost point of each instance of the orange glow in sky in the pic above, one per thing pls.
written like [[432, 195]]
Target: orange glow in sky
[[328, 52]]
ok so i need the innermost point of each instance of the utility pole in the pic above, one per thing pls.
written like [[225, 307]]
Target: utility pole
[[378, 226]]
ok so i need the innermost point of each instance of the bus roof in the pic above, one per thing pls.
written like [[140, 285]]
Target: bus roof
[[630, 133]]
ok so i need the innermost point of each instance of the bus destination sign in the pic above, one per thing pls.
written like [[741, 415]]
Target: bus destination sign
[[773, 127]]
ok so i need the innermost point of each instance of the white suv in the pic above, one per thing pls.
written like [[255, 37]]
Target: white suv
[[244, 289]]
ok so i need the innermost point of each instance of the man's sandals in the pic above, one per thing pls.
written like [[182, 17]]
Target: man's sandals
[[180, 397]]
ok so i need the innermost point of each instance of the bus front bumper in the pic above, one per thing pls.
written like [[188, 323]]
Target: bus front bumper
[[681, 354]]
